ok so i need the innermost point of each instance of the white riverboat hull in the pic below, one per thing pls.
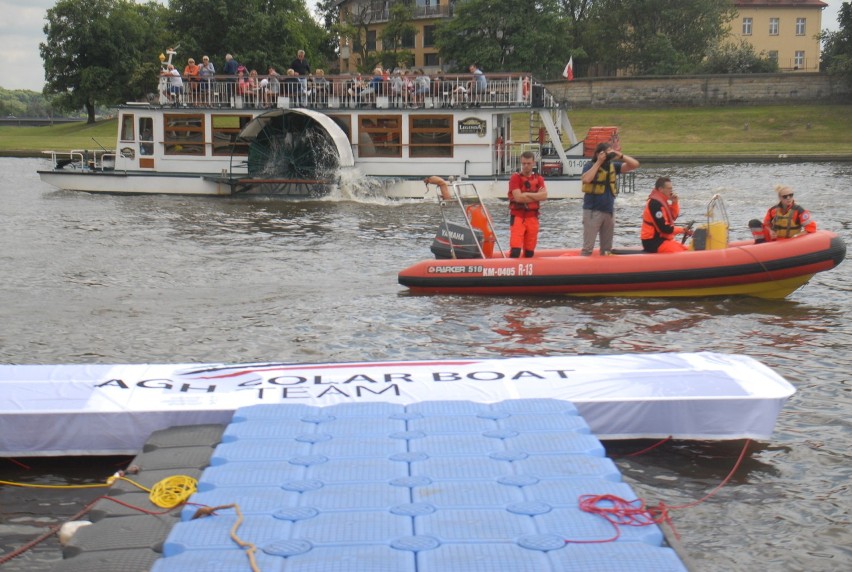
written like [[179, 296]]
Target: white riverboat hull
[[112, 409], [126, 183]]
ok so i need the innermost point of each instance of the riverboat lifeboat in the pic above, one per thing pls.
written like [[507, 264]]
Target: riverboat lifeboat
[[467, 262], [226, 136]]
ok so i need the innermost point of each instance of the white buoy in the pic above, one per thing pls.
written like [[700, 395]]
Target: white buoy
[[67, 530]]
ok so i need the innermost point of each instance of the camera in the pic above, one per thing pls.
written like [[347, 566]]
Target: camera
[[611, 155]]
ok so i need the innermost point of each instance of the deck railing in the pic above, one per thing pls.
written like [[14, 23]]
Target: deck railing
[[346, 91]]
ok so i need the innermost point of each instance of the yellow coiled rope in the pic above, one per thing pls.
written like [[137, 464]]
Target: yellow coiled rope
[[172, 491], [168, 493]]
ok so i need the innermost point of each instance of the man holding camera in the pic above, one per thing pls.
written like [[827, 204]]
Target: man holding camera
[[600, 186]]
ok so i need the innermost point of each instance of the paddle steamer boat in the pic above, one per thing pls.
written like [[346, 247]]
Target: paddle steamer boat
[[224, 137]]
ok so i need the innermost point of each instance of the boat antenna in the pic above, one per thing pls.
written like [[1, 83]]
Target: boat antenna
[[99, 144]]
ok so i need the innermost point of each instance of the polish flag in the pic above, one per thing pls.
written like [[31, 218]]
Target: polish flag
[[568, 72]]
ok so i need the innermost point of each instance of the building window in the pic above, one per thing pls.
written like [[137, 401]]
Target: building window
[[380, 136], [428, 36], [773, 26], [431, 60], [773, 56], [799, 59], [800, 26], [184, 134], [407, 40], [431, 136], [224, 131], [746, 26], [371, 41]]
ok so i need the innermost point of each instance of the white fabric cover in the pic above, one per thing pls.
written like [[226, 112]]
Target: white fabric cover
[[112, 409]]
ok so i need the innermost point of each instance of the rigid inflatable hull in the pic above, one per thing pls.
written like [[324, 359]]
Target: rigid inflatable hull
[[769, 270]]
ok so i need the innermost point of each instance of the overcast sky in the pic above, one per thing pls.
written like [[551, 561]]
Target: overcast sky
[[23, 21]]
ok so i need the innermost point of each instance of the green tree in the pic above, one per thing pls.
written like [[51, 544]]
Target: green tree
[[399, 27], [505, 35], [577, 16], [837, 46], [258, 33], [353, 28], [736, 57], [656, 36], [95, 52]]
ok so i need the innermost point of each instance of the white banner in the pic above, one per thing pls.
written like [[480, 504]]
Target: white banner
[[112, 409]]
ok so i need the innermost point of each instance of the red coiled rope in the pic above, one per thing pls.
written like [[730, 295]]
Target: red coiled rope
[[619, 512]]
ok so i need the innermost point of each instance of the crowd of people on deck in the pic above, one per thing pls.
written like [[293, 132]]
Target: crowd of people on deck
[[307, 87], [659, 231]]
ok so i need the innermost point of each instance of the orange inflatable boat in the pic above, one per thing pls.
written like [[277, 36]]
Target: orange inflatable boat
[[712, 268]]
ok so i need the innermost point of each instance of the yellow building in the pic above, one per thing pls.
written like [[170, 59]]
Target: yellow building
[[374, 15], [785, 30]]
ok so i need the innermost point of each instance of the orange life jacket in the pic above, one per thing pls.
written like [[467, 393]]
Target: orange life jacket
[[650, 228], [478, 217]]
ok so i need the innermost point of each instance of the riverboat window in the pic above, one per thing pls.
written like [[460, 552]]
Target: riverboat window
[[225, 129], [773, 26], [379, 136], [126, 128], [146, 135], [184, 134], [800, 26], [747, 26], [431, 136]]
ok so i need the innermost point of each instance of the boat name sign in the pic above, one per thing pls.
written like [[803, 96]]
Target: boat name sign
[[472, 125], [519, 270]]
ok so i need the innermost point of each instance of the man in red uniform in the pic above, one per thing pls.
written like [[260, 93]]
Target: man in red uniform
[[658, 220], [526, 191]]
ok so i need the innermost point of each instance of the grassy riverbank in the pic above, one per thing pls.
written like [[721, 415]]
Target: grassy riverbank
[[809, 130], [803, 130], [29, 141]]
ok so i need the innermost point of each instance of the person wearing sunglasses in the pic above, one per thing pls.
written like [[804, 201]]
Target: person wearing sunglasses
[[526, 191], [786, 219]]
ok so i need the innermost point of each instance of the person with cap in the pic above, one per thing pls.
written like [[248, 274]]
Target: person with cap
[[785, 219], [658, 220]]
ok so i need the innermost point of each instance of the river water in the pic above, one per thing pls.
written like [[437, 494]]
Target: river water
[[129, 279]]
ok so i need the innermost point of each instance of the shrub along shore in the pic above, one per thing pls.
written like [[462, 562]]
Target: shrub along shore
[[706, 134]]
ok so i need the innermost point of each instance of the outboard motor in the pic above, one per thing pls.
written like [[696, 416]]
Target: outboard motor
[[456, 241]]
